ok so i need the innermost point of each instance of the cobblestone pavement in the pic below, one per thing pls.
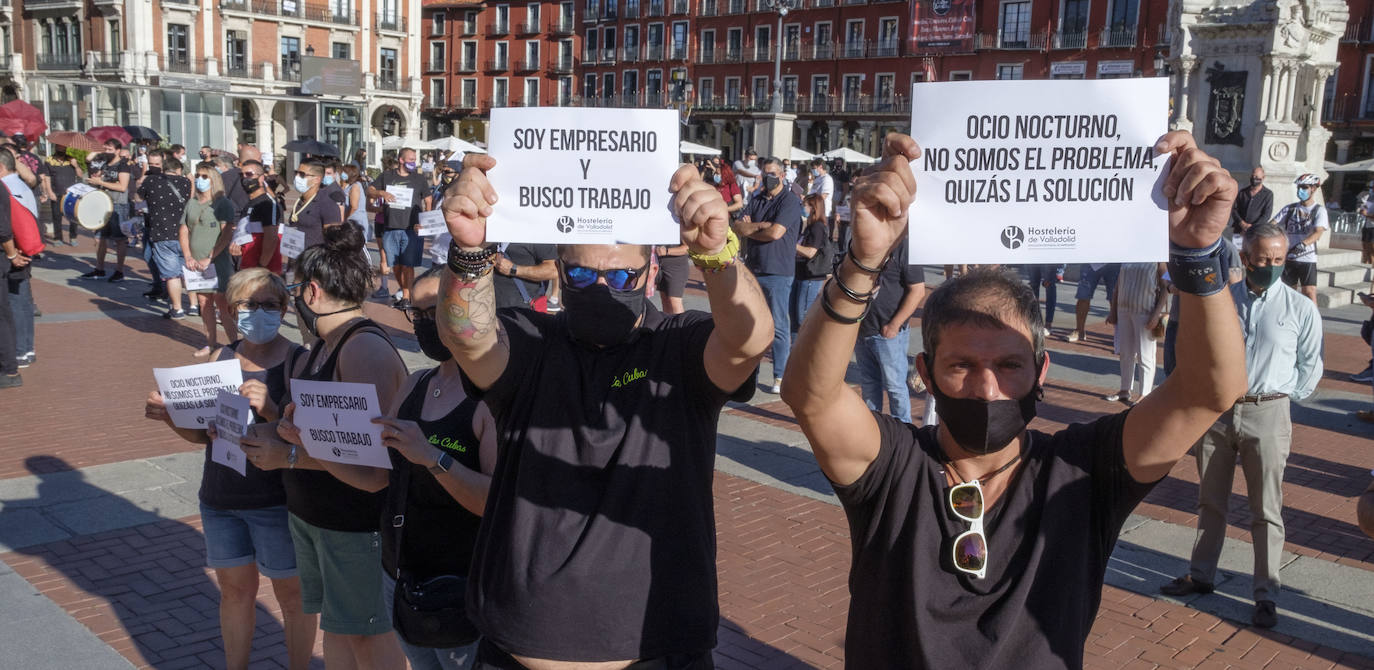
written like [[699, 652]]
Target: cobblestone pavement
[[99, 512]]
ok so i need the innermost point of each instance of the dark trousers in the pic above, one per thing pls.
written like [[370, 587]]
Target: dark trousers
[[8, 364], [55, 208]]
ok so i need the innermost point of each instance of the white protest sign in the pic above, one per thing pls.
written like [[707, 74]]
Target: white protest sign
[[233, 416], [438, 250], [1042, 171], [405, 195], [200, 281], [569, 175], [190, 390], [249, 226], [432, 223], [335, 419], [292, 241]]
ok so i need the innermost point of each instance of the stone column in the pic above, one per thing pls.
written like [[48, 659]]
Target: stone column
[[836, 138], [717, 126], [746, 137], [866, 134], [805, 128]]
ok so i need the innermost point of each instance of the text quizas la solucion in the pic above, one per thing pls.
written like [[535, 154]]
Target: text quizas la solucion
[[583, 140]]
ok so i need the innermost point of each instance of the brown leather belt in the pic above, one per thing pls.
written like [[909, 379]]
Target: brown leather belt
[[1256, 399]]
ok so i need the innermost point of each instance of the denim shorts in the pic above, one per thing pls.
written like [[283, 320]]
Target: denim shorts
[[235, 537], [341, 579], [403, 247], [1088, 279], [167, 256]]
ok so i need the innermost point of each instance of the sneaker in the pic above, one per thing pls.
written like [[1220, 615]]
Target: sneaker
[[1073, 337], [1364, 376], [174, 314], [155, 295], [1123, 397], [1266, 614], [193, 310], [37, 313], [777, 387], [117, 276], [1184, 586], [381, 293], [71, 243], [1045, 332], [22, 362], [93, 274], [11, 381], [402, 304]]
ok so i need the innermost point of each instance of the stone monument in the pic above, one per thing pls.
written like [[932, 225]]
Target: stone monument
[[1247, 81]]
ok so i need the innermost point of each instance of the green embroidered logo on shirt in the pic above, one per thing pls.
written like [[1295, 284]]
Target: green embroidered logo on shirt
[[635, 374], [448, 443]]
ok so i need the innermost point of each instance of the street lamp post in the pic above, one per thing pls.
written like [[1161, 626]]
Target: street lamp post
[[781, 7]]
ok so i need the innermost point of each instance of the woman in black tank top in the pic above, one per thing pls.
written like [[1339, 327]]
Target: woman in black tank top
[[244, 516], [333, 516]]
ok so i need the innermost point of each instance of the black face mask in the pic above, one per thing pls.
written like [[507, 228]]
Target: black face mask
[[152, 170], [250, 185], [981, 426], [770, 182], [427, 336], [307, 319], [1256, 181], [601, 316]]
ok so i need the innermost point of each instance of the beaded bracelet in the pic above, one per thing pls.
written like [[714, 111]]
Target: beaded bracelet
[[470, 265]]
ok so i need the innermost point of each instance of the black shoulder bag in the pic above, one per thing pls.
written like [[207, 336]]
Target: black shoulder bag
[[428, 613]]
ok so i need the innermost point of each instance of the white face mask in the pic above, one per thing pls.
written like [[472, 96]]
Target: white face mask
[[301, 183]]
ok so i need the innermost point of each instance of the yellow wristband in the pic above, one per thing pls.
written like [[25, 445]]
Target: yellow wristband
[[721, 259]]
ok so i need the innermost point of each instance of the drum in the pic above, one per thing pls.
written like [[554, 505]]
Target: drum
[[87, 205]]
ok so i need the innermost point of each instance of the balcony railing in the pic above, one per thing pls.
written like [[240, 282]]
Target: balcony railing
[[680, 6], [592, 12], [465, 102], [590, 56], [562, 26], [708, 7], [1013, 40], [434, 66], [706, 56], [608, 56], [653, 52], [890, 49], [59, 61], [1071, 39], [1359, 31], [526, 65], [109, 61], [467, 28], [678, 52], [392, 22], [530, 28], [822, 105], [629, 53], [465, 65], [735, 7], [632, 9], [498, 30], [179, 65], [563, 65], [655, 9], [1116, 37], [238, 70], [290, 71], [732, 55], [496, 65], [434, 103], [386, 83]]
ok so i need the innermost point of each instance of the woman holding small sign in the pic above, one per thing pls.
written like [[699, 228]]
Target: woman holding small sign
[[334, 525], [206, 232], [244, 517]]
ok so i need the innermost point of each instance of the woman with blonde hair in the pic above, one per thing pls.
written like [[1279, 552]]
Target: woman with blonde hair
[[206, 231], [244, 516]]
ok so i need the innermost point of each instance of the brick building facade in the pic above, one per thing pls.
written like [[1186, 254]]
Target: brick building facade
[[1348, 111]]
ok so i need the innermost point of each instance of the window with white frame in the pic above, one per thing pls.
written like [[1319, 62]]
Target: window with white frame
[[502, 55], [630, 84], [758, 95], [500, 92], [825, 41], [888, 42], [854, 38], [589, 87], [732, 92], [436, 93], [469, 100], [436, 57], [437, 23], [706, 91], [1013, 27], [531, 92], [1010, 71], [532, 55], [763, 42]]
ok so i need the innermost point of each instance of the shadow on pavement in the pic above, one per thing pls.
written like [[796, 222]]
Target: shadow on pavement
[[735, 649], [1301, 618], [147, 576]]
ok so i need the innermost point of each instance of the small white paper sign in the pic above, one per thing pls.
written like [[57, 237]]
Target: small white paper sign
[[1042, 171], [438, 249], [335, 420], [569, 175], [233, 416], [292, 241], [248, 226], [432, 223], [190, 390], [405, 195], [200, 281]]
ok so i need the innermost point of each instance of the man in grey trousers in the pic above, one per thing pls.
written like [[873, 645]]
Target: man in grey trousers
[[1283, 341]]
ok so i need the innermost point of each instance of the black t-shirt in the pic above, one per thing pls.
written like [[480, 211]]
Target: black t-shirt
[[777, 257], [312, 216], [1049, 539], [892, 288], [439, 532], [1252, 209], [816, 236], [336, 194], [61, 173], [598, 542], [107, 167], [523, 255], [261, 210], [315, 496], [166, 196], [223, 488], [397, 217]]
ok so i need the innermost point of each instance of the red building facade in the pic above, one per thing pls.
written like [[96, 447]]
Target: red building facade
[[1349, 106]]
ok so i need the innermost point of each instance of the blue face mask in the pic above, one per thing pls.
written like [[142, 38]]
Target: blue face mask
[[715, 178], [259, 326], [1304, 194], [202, 184], [328, 179], [815, 172]]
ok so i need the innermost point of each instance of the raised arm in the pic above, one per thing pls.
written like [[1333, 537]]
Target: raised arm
[[743, 324], [842, 431], [467, 305], [1210, 374]]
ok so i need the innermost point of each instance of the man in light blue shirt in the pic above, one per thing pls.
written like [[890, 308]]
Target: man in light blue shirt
[[1283, 340]]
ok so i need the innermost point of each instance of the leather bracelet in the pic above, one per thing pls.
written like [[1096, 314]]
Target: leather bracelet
[[855, 260], [829, 310], [1197, 271], [862, 298]]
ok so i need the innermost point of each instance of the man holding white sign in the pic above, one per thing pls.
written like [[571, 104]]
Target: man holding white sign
[[406, 193], [979, 543], [597, 547]]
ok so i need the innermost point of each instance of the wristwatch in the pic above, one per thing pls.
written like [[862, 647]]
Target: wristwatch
[[291, 457], [442, 464], [513, 268]]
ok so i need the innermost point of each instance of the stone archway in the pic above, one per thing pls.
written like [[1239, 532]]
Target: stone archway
[[386, 120]]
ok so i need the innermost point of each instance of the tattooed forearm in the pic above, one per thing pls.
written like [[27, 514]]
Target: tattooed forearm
[[467, 310]]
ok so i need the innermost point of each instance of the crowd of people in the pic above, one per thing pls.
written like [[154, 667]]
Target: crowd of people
[[549, 499]]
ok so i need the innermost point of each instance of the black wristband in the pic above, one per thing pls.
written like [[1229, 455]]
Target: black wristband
[[862, 298], [855, 260], [1197, 271], [840, 318]]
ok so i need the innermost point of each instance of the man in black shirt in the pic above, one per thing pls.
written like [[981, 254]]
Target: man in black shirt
[[166, 192], [598, 541], [314, 211], [772, 222], [59, 173], [977, 543], [402, 244], [232, 176], [1253, 205], [113, 174]]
